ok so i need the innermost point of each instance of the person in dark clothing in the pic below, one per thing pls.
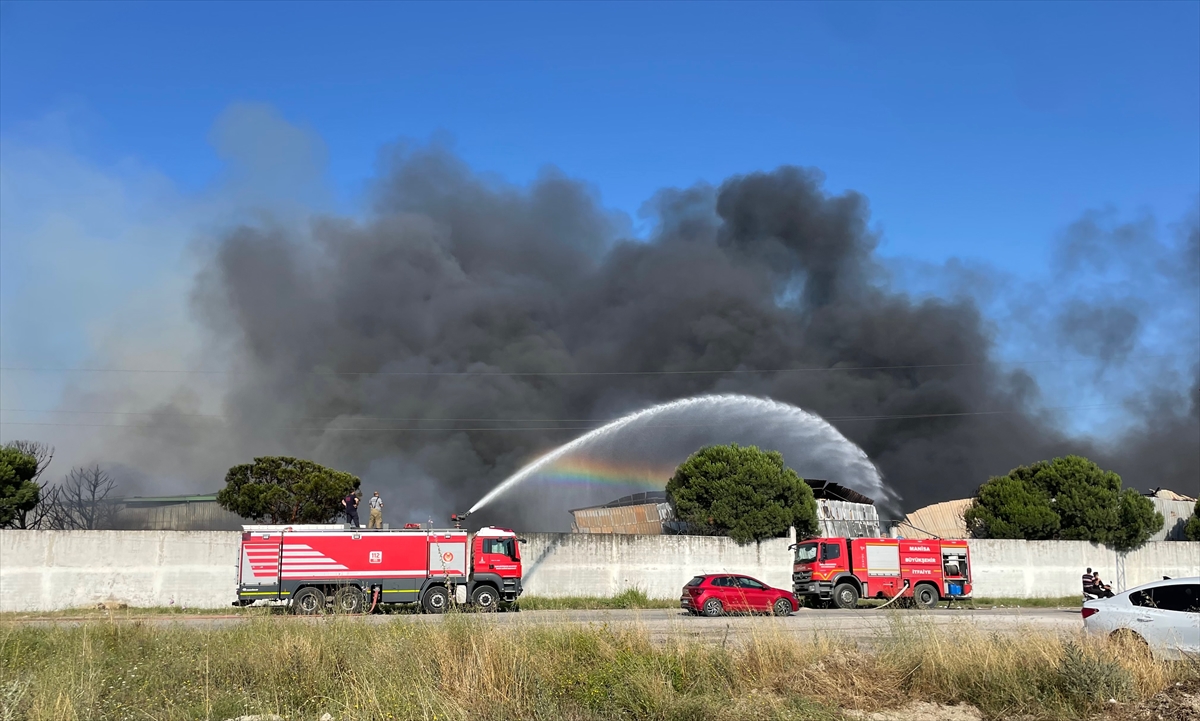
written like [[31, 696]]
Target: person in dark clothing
[[350, 508], [1100, 588]]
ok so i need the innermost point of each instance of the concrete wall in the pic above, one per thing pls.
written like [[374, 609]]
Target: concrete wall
[[48, 570], [587, 564], [1031, 569]]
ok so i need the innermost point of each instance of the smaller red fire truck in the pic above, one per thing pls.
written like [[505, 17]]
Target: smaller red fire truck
[[357, 568], [843, 570]]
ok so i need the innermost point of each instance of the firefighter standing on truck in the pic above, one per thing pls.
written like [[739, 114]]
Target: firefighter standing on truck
[[350, 504], [376, 519]]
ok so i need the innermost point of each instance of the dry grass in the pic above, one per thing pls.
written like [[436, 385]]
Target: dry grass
[[467, 667]]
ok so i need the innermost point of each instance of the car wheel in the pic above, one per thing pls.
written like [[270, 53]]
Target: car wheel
[[485, 598], [845, 596], [436, 600], [309, 602], [926, 596], [1131, 642], [713, 608], [783, 607], [348, 600]]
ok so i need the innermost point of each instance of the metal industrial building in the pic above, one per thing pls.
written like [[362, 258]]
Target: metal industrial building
[[175, 513], [841, 512], [945, 520], [640, 513]]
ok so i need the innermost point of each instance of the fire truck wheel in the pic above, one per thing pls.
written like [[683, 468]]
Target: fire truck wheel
[[485, 598], [926, 596], [348, 600], [783, 607], [436, 600], [309, 602], [713, 608], [845, 596]]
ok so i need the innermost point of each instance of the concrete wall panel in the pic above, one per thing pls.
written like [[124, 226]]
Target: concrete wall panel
[[51, 570]]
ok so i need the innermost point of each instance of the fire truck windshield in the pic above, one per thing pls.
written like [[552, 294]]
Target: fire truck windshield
[[806, 553], [503, 546]]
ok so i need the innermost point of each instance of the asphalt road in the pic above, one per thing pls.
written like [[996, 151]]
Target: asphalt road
[[661, 624]]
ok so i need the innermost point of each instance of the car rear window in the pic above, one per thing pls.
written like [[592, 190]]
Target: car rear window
[[1183, 597], [696, 581]]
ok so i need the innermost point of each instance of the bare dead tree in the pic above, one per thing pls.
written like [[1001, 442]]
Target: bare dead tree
[[43, 452], [83, 496]]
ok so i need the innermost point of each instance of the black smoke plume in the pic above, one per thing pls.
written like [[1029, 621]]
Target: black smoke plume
[[408, 318]]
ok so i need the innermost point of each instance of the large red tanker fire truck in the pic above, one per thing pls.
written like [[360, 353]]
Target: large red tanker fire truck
[[310, 565], [843, 570]]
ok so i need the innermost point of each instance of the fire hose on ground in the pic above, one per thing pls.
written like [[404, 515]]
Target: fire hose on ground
[[893, 598]]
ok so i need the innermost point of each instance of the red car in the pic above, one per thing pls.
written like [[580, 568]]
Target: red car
[[718, 593]]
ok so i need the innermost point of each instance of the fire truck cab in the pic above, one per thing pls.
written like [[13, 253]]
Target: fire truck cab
[[313, 567], [843, 570]]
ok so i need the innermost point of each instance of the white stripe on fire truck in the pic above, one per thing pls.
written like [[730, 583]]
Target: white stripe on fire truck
[[289, 574], [321, 568]]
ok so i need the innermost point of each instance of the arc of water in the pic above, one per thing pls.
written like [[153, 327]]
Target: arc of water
[[665, 408], [562, 450]]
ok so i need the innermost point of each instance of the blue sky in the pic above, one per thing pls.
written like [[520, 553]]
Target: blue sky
[[978, 131]]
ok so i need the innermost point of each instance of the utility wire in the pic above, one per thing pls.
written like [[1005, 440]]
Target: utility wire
[[814, 369], [594, 424]]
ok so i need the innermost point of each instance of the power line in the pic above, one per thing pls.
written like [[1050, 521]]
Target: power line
[[594, 424], [813, 369]]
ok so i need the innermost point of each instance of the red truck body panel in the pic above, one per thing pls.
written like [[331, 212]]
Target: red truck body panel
[[400, 563]]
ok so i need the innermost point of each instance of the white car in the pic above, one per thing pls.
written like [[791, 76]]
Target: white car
[[1165, 614]]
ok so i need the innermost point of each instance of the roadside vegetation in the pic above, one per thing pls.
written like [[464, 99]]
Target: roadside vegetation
[[465, 668], [632, 599]]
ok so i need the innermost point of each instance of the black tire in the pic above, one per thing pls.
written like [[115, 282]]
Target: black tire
[[485, 598], [309, 602], [349, 600], [713, 608], [925, 596], [436, 600], [1131, 643], [845, 595], [782, 607]]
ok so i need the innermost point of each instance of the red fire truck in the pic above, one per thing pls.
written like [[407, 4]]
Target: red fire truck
[[843, 570], [314, 565]]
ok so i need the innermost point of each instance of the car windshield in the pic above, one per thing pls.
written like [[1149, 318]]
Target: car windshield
[[806, 553], [696, 581]]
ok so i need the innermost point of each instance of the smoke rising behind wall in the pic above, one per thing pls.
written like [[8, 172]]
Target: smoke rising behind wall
[[464, 325], [469, 278]]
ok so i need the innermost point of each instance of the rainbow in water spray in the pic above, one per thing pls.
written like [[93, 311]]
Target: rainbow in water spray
[[591, 471]]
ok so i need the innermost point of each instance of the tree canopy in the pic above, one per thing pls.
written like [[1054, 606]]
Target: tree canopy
[[742, 492], [18, 491], [285, 490], [1068, 498], [1192, 529]]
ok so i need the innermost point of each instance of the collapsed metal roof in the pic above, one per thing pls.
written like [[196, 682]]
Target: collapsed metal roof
[[831, 491]]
